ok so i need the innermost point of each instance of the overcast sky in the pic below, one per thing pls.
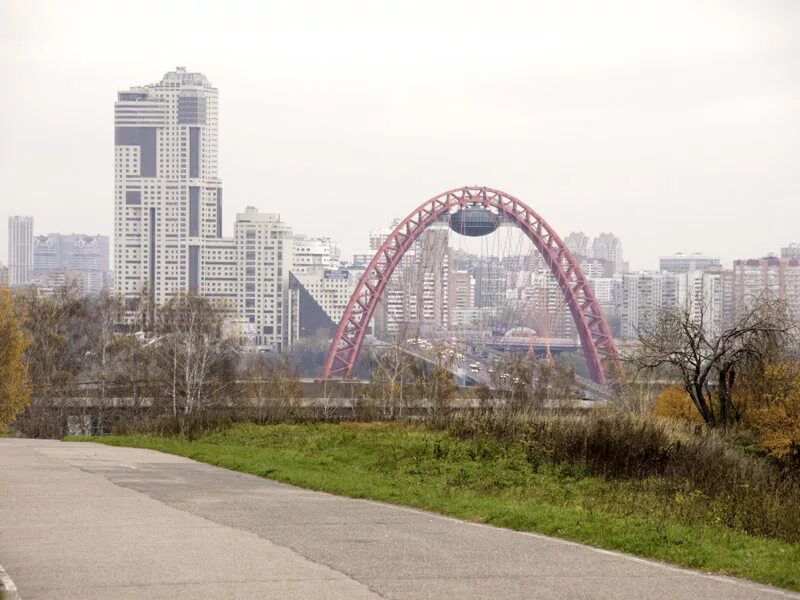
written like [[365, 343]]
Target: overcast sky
[[674, 124]]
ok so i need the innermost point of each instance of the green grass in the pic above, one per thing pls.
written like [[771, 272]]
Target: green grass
[[485, 481]]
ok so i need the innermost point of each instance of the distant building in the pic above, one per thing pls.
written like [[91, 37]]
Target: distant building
[[20, 250], [607, 246], [644, 295], [264, 248], [378, 236], [362, 260], [323, 295], [791, 251], [472, 318], [608, 292], [491, 282], [717, 295], [319, 286], [314, 253], [717, 292], [462, 293], [708, 295], [772, 277], [168, 197], [545, 310], [76, 258], [417, 297], [684, 263], [594, 268], [216, 278], [3, 275], [606, 289], [578, 244], [168, 217], [247, 277]]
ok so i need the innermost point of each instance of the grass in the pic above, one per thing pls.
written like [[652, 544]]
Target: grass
[[483, 479]]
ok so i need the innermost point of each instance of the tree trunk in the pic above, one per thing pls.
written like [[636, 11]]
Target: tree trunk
[[728, 413], [698, 397]]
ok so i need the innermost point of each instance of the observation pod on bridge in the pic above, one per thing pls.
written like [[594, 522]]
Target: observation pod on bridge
[[474, 221], [474, 211]]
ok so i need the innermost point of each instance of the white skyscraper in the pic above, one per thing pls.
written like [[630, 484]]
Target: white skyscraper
[[20, 250], [167, 195], [168, 216], [264, 247]]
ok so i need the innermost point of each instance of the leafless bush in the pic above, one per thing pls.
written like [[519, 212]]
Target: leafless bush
[[753, 494]]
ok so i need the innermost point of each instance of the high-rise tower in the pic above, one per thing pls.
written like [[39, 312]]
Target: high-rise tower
[[20, 250], [607, 246], [167, 195]]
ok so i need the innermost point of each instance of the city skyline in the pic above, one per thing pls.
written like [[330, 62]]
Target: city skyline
[[599, 137], [501, 299]]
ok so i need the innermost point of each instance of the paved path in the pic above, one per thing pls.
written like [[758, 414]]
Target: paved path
[[91, 521]]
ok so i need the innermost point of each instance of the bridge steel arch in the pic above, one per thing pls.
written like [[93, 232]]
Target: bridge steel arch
[[593, 331]]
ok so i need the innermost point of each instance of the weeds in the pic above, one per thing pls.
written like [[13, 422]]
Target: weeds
[[504, 480], [689, 466], [682, 469]]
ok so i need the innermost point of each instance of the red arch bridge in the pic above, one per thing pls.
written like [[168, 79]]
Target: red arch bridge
[[464, 205]]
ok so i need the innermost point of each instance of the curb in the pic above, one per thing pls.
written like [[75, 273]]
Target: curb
[[8, 591]]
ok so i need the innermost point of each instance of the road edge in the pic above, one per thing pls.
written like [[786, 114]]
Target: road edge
[[738, 581], [689, 571]]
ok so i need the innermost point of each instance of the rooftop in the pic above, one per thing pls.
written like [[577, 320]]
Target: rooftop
[[180, 75]]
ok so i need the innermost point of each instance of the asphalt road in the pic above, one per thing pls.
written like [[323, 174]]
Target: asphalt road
[[90, 521]]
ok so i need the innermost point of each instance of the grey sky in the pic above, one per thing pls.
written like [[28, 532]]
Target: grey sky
[[674, 124]]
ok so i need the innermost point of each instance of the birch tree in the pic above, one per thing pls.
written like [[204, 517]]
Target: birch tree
[[194, 358]]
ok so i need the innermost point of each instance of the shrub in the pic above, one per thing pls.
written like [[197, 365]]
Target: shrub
[[774, 411], [681, 461], [674, 403]]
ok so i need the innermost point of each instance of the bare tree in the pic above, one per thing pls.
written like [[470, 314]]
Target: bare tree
[[553, 380], [484, 395], [684, 342], [194, 358], [514, 374], [308, 353], [438, 386], [272, 388], [637, 391], [393, 378], [130, 366], [105, 313], [530, 383]]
